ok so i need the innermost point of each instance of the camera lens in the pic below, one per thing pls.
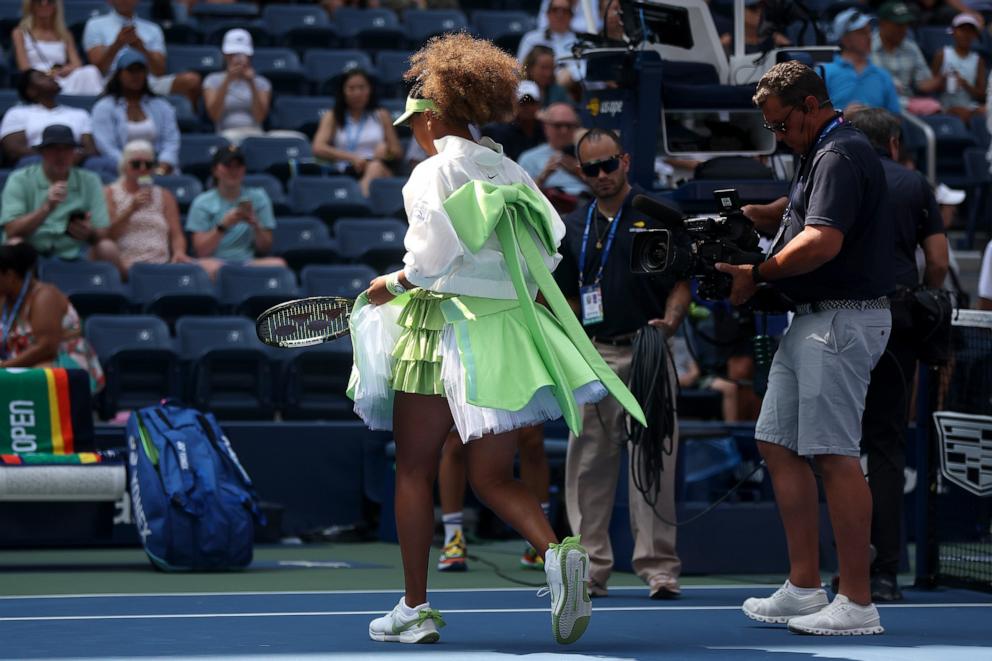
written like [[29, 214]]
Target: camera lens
[[655, 255]]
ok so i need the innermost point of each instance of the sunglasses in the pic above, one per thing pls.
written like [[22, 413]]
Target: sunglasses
[[607, 165], [561, 126], [138, 164], [778, 127]]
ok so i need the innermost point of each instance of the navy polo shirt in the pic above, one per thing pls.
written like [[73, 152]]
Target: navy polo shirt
[[915, 216]]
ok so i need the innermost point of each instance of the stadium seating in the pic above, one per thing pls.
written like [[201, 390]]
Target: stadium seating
[[93, 287], [300, 26], [327, 197], [324, 65], [303, 240], [369, 29], [196, 152], [186, 117], [386, 196], [503, 28], [138, 360], [391, 65], [374, 241], [227, 369], [953, 138], [213, 33], [250, 290], [314, 381], [172, 290], [83, 102], [211, 15], [348, 280], [299, 113], [184, 186], [281, 66], [272, 187], [202, 59], [422, 24], [280, 156]]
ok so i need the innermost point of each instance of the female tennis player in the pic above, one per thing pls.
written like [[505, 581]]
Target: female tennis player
[[473, 350]]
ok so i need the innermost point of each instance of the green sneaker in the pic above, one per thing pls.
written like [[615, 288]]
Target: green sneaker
[[567, 568], [394, 627]]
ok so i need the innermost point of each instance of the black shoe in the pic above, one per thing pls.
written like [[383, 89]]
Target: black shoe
[[884, 588]]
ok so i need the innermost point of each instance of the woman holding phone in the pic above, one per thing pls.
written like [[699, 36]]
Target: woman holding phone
[[231, 223], [144, 218]]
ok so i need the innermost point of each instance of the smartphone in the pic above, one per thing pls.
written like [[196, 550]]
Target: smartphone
[[75, 217], [245, 207]]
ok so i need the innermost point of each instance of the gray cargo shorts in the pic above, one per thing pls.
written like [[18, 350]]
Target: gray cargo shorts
[[819, 379]]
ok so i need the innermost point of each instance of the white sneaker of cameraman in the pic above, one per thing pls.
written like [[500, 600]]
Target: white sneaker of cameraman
[[842, 617], [786, 603]]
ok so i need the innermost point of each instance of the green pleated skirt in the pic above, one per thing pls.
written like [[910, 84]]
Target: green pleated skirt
[[418, 349]]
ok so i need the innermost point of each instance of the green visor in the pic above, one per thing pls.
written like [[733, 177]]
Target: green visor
[[413, 106]]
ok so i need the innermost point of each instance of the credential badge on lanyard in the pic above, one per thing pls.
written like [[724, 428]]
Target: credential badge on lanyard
[[591, 296]]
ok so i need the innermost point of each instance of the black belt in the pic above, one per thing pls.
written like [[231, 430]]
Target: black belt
[[881, 303]]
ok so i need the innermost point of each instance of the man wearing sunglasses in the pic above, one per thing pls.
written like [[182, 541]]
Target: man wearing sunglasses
[[613, 304], [833, 255]]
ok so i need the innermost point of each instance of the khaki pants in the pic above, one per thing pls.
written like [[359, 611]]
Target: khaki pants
[[591, 471]]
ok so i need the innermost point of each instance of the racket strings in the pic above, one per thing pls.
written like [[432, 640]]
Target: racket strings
[[304, 322]]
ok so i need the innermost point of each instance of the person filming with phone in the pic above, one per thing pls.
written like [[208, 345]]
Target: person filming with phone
[[231, 223], [57, 207]]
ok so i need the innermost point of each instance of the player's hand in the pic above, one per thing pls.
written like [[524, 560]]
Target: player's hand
[[743, 287], [377, 292]]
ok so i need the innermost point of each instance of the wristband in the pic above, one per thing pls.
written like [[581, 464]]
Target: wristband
[[393, 284], [756, 274]]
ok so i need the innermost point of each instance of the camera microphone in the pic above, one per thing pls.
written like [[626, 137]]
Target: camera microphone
[[660, 211]]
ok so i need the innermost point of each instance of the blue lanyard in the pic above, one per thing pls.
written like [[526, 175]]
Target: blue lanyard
[[606, 248], [352, 139], [834, 123], [9, 315]]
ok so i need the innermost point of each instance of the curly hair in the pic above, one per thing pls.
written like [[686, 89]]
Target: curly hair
[[470, 80], [791, 82]]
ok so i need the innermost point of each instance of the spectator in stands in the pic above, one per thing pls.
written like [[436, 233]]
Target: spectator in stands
[[560, 38], [539, 66], [963, 70], [22, 125], [358, 136], [330, 6], [524, 131], [144, 218], [578, 22], [852, 80], [691, 376], [56, 207], [903, 59], [942, 12], [107, 34], [129, 110], [754, 40], [42, 42], [41, 328], [237, 99], [553, 164], [231, 223]]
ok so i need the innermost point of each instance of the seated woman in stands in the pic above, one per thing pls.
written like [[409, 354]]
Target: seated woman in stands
[[40, 327], [129, 111], [539, 66], [42, 42], [358, 134], [237, 99], [144, 218]]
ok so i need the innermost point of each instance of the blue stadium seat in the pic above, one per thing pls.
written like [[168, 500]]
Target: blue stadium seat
[[77, 12], [172, 290], [299, 113], [8, 99], [314, 382], [186, 117], [93, 287], [932, 38], [979, 128], [211, 15], [277, 156], [215, 30], [272, 187], [137, 358], [300, 26], [369, 29], [503, 28], [348, 280], [283, 69], [196, 152], [83, 102], [391, 65], [228, 371], [184, 186], [422, 24], [953, 137], [202, 59], [303, 240], [323, 65], [375, 241], [250, 290], [327, 197], [386, 196]]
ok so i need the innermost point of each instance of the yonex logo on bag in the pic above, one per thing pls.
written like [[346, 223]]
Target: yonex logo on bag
[[183, 459], [132, 444]]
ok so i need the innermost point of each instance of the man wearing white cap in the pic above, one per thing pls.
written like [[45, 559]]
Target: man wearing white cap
[[524, 132], [852, 79], [237, 99]]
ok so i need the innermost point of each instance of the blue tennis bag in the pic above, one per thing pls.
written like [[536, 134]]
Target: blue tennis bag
[[193, 504]]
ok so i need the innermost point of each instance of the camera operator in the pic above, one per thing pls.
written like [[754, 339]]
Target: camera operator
[[613, 305], [917, 221], [833, 255]]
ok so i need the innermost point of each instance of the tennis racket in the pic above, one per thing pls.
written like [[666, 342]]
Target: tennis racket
[[304, 322]]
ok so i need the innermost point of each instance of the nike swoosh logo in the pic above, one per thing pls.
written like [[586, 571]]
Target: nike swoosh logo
[[825, 339], [491, 176]]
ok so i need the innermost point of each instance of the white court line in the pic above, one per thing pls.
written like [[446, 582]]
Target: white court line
[[115, 595], [202, 616]]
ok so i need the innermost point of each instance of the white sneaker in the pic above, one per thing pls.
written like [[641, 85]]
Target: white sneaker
[[783, 605], [567, 568], [842, 617], [394, 627]]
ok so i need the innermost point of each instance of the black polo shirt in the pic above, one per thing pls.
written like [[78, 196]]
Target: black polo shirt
[[629, 301], [840, 184], [915, 216], [513, 138]]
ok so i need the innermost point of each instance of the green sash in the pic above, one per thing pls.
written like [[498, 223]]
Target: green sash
[[516, 213]]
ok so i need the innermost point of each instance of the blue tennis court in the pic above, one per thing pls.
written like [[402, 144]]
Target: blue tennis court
[[487, 623]]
